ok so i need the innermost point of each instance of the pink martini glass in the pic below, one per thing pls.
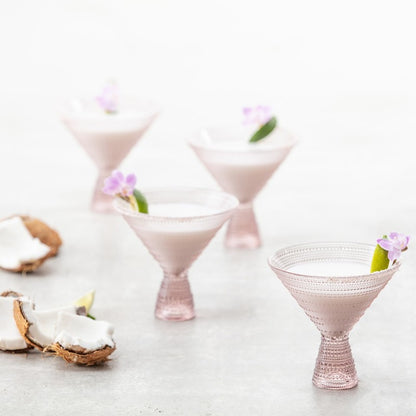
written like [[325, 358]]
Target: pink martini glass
[[180, 224], [331, 283], [107, 138], [242, 169]]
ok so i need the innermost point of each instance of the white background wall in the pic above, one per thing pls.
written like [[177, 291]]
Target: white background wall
[[340, 75]]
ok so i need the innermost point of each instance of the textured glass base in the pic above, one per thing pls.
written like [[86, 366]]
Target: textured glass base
[[335, 367], [175, 301], [100, 201], [242, 231], [334, 290]]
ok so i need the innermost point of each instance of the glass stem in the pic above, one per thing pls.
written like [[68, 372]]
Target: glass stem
[[101, 202], [242, 231], [335, 368], [175, 301]]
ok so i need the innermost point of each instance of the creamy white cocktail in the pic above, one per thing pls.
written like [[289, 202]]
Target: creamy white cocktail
[[336, 310], [107, 137], [241, 168], [179, 225], [176, 243]]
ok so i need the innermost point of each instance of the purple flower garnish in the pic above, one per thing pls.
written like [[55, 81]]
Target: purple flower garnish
[[108, 99], [118, 185], [395, 243], [259, 115]]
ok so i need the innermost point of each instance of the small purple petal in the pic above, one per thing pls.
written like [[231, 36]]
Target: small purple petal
[[118, 175], [394, 254], [400, 241], [247, 113], [112, 180], [109, 190], [131, 180], [259, 115], [108, 99], [386, 244], [111, 185]]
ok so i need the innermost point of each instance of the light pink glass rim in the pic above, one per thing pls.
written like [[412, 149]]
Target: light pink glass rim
[[124, 208], [66, 115], [311, 245], [194, 140]]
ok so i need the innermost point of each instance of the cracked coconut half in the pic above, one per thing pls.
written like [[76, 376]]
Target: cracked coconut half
[[82, 340], [10, 338], [75, 338], [38, 328], [25, 243]]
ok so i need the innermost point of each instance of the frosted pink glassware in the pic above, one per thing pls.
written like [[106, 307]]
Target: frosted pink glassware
[[242, 169], [177, 241], [333, 303], [107, 138]]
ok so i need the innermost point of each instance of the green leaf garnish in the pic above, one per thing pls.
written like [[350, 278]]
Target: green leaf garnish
[[264, 130], [91, 317], [380, 259], [141, 202]]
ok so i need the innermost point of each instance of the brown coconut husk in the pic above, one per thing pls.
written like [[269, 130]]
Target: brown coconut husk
[[46, 235], [23, 325], [13, 294], [78, 355]]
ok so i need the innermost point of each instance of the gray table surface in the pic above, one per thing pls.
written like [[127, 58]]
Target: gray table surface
[[251, 350]]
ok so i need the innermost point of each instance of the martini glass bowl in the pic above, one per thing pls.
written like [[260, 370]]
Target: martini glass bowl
[[107, 138], [180, 224], [331, 283], [242, 169]]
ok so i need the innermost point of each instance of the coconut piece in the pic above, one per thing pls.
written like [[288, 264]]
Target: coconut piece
[[82, 340], [38, 328], [10, 337], [20, 251]]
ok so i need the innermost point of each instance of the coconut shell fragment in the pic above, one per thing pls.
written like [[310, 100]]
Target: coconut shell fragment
[[46, 235], [13, 294], [23, 324], [78, 355]]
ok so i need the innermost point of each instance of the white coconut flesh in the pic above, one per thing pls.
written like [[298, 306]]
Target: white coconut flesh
[[42, 324], [17, 245], [75, 331], [10, 338]]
